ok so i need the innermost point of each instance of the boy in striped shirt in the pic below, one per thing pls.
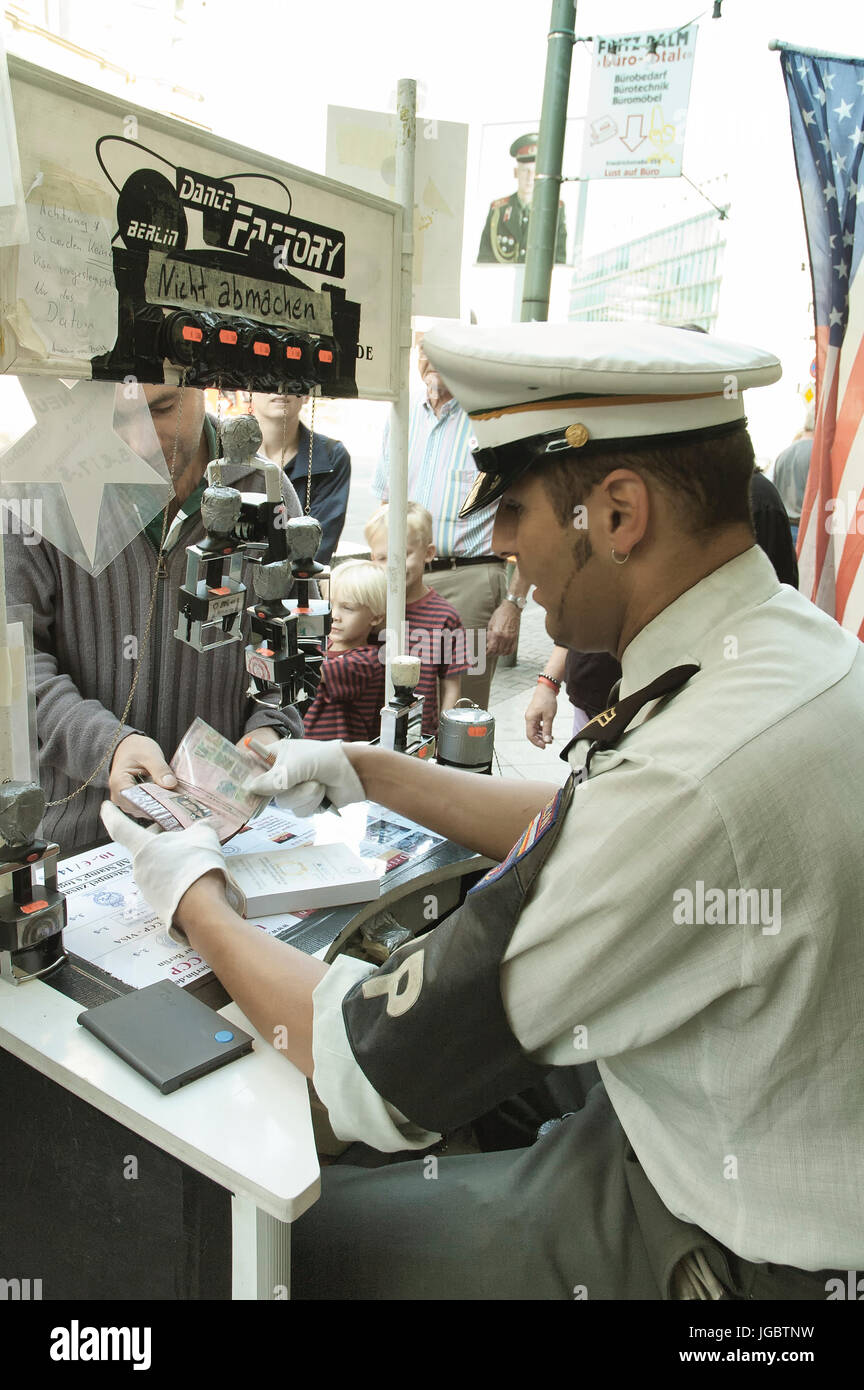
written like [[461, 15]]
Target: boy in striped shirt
[[349, 699], [435, 631]]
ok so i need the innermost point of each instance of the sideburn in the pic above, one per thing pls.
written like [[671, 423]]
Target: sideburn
[[581, 553]]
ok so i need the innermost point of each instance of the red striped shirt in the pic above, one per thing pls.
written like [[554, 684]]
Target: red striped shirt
[[349, 699], [436, 635]]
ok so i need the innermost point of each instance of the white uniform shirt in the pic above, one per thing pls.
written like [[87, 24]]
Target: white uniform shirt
[[733, 1052]]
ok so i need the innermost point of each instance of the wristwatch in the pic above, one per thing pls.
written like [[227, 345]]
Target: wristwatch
[[518, 600]]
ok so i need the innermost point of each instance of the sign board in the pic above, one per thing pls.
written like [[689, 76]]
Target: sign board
[[361, 150], [142, 227], [13, 222], [637, 104], [499, 217]]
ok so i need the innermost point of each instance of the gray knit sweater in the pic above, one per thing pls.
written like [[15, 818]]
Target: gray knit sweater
[[84, 665]]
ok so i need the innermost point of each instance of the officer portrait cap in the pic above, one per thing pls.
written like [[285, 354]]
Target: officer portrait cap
[[525, 148], [533, 390]]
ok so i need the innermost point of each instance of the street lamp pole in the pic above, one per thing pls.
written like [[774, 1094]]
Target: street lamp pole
[[540, 251]]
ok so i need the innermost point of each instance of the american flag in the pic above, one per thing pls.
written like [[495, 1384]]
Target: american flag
[[826, 104]]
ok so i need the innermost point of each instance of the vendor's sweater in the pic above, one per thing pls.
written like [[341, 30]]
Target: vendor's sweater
[[87, 632]]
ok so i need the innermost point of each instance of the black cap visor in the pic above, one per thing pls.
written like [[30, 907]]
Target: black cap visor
[[504, 464]]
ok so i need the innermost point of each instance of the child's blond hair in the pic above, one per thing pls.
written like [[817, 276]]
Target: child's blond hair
[[418, 523], [359, 581]]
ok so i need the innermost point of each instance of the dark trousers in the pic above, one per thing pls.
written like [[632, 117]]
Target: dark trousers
[[569, 1217]]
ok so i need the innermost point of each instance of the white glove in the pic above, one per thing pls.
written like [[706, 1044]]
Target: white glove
[[166, 863], [304, 772]]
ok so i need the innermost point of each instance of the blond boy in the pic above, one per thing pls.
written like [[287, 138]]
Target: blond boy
[[349, 699]]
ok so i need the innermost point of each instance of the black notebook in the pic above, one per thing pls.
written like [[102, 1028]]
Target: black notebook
[[167, 1035]]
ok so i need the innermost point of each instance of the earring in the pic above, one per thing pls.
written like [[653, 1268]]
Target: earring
[[616, 560]]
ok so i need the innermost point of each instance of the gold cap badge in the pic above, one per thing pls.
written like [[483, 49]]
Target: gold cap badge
[[576, 436]]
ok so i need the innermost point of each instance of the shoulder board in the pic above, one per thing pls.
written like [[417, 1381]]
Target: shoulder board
[[499, 202]]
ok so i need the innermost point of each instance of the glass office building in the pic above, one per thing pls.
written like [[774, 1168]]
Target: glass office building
[[669, 276]]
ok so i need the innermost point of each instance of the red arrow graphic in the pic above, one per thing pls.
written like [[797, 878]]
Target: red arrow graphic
[[628, 139]]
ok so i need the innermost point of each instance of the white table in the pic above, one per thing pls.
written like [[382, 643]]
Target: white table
[[246, 1126]]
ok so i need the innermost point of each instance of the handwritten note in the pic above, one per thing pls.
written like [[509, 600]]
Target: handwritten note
[[66, 280], [190, 286]]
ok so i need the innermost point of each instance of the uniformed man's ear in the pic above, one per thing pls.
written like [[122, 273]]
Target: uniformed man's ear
[[627, 508]]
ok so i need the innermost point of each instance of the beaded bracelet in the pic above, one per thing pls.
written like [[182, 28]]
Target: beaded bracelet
[[550, 681]]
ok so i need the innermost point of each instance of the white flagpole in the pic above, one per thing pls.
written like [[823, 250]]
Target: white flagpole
[[6, 763], [406, 108]]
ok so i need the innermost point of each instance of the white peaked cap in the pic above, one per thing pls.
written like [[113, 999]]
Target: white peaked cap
[[589, 387]]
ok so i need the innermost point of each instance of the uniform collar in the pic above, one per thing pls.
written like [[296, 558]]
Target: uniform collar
[[677, 635]]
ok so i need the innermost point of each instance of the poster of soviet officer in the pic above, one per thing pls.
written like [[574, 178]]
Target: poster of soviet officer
[[505, 235]]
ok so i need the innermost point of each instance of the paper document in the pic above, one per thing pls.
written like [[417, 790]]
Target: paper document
[[305, 876], [112, 926], [372, 831]]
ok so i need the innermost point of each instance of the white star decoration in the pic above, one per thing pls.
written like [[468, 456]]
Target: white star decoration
[[857, 136], [841, 269], [828, 79], [72, 457], [829, 192], [809, 117], [834, 317], [844, 110]]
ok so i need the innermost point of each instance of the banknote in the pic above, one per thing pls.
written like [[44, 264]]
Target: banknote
[[210, 774]]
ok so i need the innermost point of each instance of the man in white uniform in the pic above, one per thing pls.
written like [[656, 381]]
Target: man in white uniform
[[686, 911]]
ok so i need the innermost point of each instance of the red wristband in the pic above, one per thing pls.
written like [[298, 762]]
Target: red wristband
[[548, 680]]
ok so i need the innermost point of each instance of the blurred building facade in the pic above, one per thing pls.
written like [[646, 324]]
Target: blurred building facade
[[671, 275]]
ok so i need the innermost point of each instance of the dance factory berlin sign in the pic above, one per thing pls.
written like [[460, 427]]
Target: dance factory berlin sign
[[637, 104], [133, 216]]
